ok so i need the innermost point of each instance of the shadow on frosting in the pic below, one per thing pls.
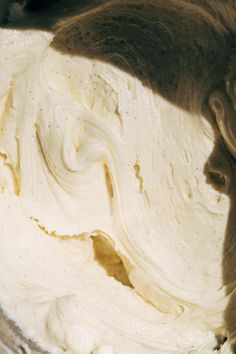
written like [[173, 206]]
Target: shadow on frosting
[[182, 53], [179, 49]]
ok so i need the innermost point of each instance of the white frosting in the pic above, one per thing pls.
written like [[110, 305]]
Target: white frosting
[[88, 152]]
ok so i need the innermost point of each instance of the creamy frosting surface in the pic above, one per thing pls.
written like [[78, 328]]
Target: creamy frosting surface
[[111, 236]]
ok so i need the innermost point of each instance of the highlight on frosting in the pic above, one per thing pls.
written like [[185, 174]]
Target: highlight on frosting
[[113, 206]]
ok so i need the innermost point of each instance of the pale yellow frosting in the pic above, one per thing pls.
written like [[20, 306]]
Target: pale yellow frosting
[[111, 239]]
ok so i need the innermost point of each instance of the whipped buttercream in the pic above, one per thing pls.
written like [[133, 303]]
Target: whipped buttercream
[[111, 238]]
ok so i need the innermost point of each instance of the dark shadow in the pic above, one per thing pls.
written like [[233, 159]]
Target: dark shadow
[[220, 171], [42, 14], [179, 49], [176, 48]]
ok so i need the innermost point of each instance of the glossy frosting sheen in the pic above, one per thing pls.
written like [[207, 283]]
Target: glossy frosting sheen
[[111, 237]]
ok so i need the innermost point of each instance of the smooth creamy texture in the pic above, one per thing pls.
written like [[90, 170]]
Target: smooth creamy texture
[[88, 152]]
